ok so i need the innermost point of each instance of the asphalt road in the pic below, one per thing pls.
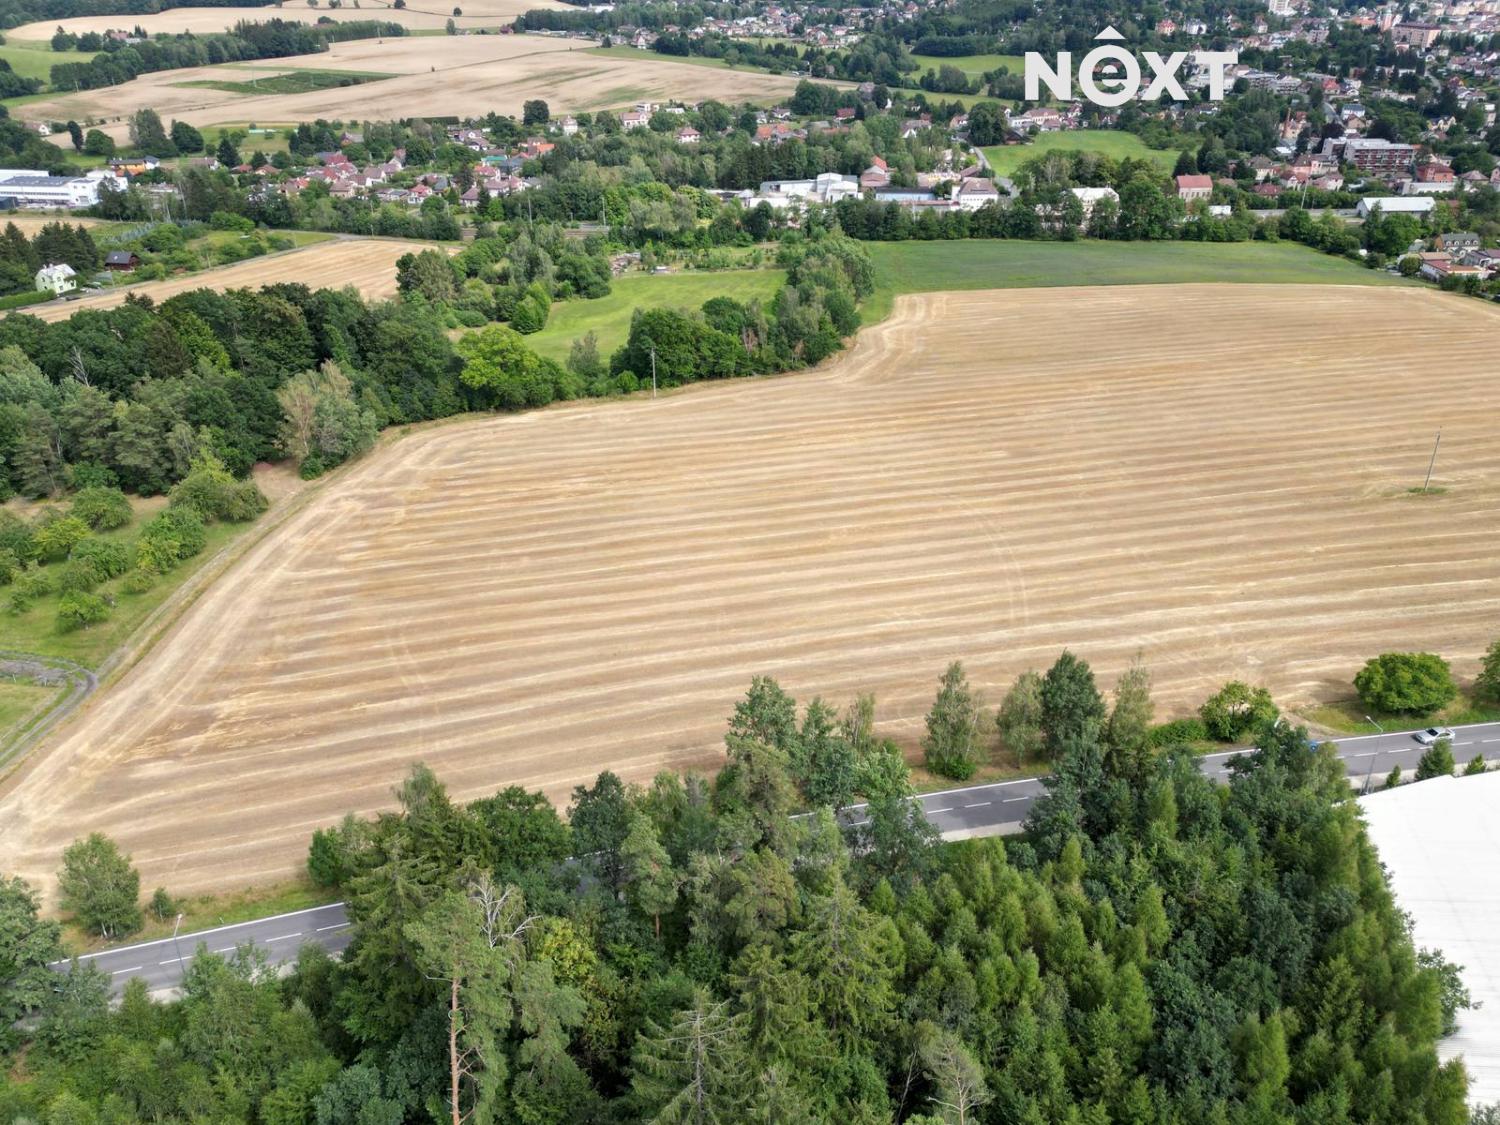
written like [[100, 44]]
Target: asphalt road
[[977, 810]]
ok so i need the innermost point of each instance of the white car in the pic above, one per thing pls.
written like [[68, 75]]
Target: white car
[[1432, 734]]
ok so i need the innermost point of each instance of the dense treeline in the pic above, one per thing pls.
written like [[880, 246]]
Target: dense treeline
[[137, 392], [21, 257], [276, 38], [1158, 948]]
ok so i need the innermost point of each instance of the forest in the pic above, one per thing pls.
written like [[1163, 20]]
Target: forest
[[276, 38], [131, 395], [1154, 948]]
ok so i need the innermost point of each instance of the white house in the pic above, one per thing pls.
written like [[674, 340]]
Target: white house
[[57, 278], [1089, 196]]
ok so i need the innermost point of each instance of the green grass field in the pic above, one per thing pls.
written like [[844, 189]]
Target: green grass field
[[36, 60], [973, 65], [925, 267], [35, 630], [1005, 159], [609, 317], [21, 702], [290, 82], [268, 142]]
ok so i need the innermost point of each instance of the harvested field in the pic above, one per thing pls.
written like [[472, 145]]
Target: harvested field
[[478, 13], [31, 224], [989, 476], [368, 264], [436, 76]]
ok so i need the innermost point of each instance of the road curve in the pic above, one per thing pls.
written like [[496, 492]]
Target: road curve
[[991, 809]]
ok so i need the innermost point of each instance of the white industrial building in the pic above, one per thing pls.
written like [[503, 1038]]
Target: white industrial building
[[1438, 840], [31, 187], [1418, 205]]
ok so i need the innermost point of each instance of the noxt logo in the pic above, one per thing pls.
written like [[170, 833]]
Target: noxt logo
[[1110, 74]]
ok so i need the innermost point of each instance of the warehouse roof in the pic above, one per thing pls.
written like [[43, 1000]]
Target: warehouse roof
[[1439, 839]]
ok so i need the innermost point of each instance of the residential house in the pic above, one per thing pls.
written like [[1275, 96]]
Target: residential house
[[972, 194], [56, 278], [1457, 242], [1092, 196], [121, 261], [687, 135], [1190, 188]]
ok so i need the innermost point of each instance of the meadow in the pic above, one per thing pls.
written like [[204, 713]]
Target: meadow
[[975, 66], [609, 317], [1006, 159]]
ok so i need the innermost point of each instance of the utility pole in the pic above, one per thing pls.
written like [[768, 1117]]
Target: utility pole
[[653, 370], [1369, 773], [174, 942], [1432, 462]]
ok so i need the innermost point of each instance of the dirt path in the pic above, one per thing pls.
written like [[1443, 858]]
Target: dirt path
[[1192, 472]]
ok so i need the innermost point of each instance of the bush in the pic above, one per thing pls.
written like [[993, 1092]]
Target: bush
[[1236, 710], [211, 490], [29, 585], [174, 535], [10, 566], [18, 537], [163, 905], [78, 577], [1406, 683], [1179, 732], [79, 610], [1436, 760], [56, 537], [1487, 683], [103, 509], [90, 474], [109, 558], [139, 580]]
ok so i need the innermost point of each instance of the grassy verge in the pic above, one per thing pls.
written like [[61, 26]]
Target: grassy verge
[[924, 267], [609, 317], [1350, 716], [22, 702], [207, 911]]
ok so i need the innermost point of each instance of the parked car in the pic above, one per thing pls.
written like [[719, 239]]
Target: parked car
[[1432, 734]]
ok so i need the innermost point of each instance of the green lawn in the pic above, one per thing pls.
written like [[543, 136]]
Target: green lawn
[[1005, 159], [22, 701], [36, 630], [923, 267], [974, 66], [36, 60], [609, 317], [289, 82]]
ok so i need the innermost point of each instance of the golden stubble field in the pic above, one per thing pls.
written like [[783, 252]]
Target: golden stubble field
[[1212, 476], [200, 21], [368, 264], [437, 76]]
